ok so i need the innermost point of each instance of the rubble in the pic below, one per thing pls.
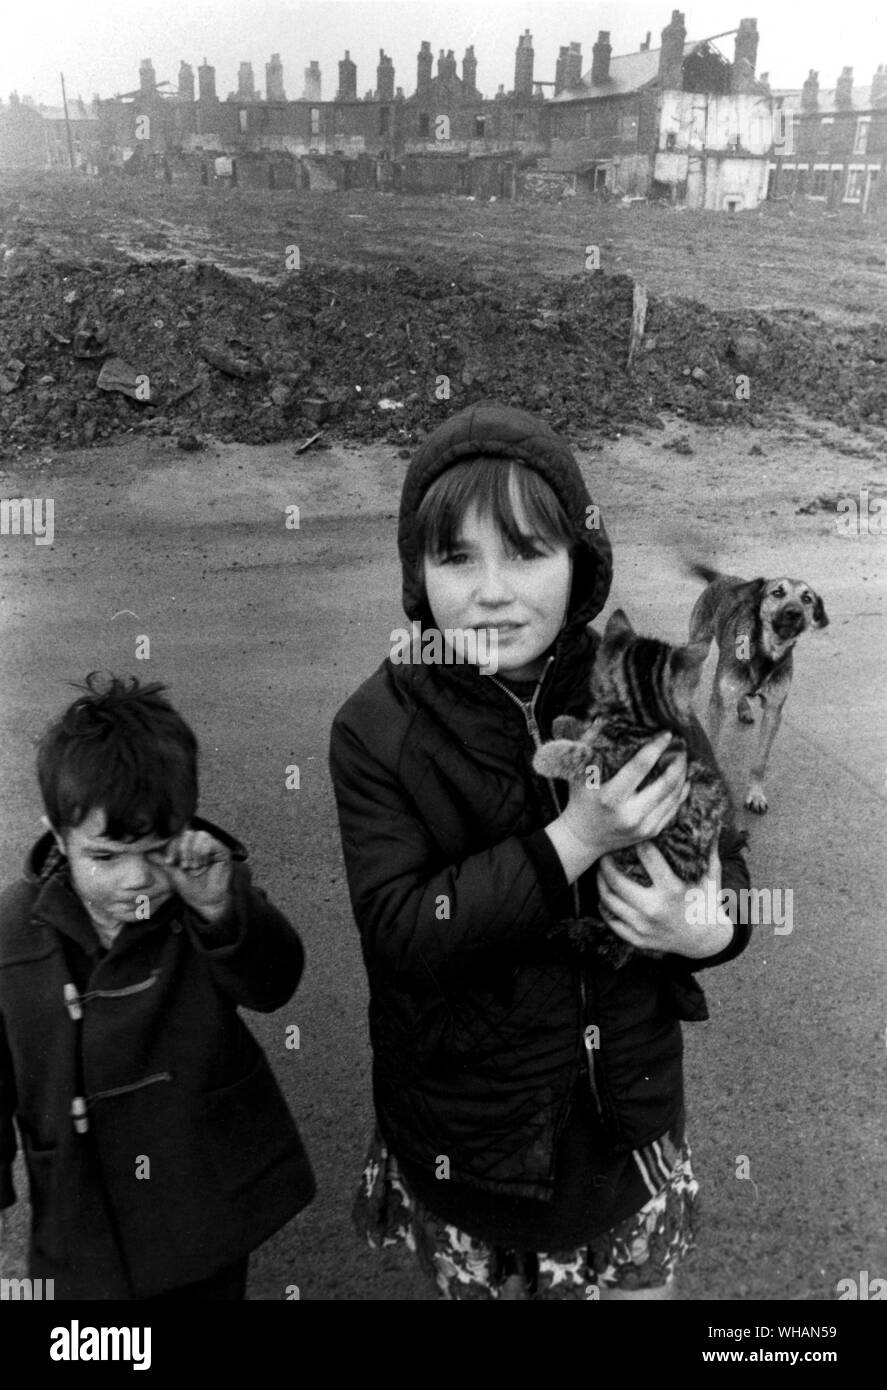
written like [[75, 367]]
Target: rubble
[[117, 375], [11, 375], [386, 350]]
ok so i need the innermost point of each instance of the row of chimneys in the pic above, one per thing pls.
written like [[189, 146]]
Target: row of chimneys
[[246, 85], [844, 90], [568, 71]]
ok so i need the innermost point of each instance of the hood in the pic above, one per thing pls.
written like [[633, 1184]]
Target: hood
[[490, 429]]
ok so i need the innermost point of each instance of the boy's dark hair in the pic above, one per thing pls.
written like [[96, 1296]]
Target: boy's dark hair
[[488, 485], [123, 749]]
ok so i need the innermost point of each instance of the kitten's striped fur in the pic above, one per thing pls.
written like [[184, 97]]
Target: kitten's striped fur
[[639, 687]]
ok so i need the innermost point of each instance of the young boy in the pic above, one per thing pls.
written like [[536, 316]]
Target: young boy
[[159, 1148]]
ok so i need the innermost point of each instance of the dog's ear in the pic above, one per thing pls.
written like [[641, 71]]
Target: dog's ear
[[755, 590], [745, 603], [617, 626], [820, 617]]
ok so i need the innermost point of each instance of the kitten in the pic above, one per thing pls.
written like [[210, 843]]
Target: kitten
[[639, 687]]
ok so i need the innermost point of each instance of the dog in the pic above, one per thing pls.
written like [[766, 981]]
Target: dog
[[756, 624]]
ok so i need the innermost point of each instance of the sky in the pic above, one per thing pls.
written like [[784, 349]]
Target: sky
[[98, 44]]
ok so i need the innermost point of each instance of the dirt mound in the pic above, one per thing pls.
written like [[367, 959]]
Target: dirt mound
[[387, 352]]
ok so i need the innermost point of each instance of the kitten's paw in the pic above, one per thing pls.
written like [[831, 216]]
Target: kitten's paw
[[563, 758]]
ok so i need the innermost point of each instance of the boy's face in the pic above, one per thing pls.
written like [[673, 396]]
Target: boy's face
[[108, 875], [522, 597]]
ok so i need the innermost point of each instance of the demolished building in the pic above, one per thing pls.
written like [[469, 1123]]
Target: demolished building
[[683, 122]]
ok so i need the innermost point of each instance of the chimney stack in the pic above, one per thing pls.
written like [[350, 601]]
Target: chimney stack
[[469, 72], [573, 67], [559, 69], [347, 79], [600, 59], [312, 82], [147, 78], [384, 77], [186, 82], [745, 56], [810, 92], [645, 46], [523, 65], [446, 67], [246, 83], [423, 71], [844, 90], [879, 87], [671, 55], [274, 79], [206, 81]]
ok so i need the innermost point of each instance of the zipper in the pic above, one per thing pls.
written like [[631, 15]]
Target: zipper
[[586, 1040], [528, 708]]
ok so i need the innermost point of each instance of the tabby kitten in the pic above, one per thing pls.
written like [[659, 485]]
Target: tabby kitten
[[639, 686]]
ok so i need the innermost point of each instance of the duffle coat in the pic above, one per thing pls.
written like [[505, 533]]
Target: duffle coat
[[185, 1156]]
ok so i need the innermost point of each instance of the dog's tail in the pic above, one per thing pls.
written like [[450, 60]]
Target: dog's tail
[[704, 572]]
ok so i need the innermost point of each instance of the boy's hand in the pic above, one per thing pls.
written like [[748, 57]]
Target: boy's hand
[[655, 917], [199, 870]]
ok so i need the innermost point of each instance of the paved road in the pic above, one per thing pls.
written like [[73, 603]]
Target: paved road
[[261, 632]]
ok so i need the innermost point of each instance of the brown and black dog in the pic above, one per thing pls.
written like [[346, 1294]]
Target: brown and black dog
[[755, 624]]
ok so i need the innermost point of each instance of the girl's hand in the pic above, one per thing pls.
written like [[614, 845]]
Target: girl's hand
[[199, 870], [616, 814], [655, 918]]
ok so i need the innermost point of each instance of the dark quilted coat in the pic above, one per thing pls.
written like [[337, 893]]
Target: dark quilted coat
[[477, 1017]]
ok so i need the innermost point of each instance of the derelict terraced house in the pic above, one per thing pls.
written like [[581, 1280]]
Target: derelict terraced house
[[680, 122], [836, 156]]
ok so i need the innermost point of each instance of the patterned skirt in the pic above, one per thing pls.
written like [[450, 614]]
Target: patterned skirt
[[641, 1252]]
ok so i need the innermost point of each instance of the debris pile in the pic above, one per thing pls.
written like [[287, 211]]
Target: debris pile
[[91, 348]]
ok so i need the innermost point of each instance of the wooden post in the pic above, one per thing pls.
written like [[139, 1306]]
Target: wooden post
[[638, 318], [67, 122]]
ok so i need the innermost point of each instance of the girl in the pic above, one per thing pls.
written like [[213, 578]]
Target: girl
[[529, 1098]]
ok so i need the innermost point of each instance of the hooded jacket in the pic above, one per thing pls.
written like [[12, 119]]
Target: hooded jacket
[[185, 1156], [478, 1007]]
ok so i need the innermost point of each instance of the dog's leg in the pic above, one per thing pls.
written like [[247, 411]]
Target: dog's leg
[[716, 712], [727, 691], [770, 720], [745, 710], [772, 693]]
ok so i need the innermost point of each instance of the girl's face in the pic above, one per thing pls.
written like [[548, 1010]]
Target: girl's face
[[520, 597]]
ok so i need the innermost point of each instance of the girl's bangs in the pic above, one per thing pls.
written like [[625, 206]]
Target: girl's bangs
[[518, 500]]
